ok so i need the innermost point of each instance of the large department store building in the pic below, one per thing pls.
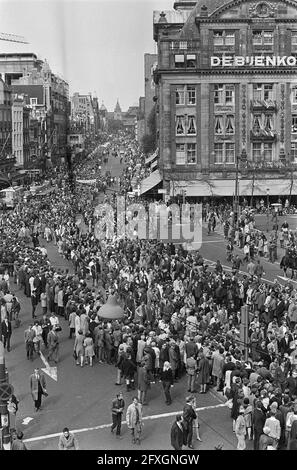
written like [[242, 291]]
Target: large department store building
[[227, 97]]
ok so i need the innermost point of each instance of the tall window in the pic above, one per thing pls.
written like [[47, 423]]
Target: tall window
[[185, 125], [224, 38], [180, 125], [263, 38], [180, 95], [257, 152], [180, 154], [185, 94], [219, 152], [224, 94], [191, 94], [191, 153], [224, 124], [294, 123], [191, 127], [219, 125], [294, 39], [263, 123], [185, 153], [263, 91], [267, 152], [224, 152], [294, 94], [294, 151]]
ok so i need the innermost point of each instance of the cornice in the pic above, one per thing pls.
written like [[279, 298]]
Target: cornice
[[230, 71]]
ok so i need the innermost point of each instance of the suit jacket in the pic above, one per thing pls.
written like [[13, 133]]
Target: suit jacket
[[189, 415], [258, 420], [284, 345], [34, 385], [52, 340], [177, 436], [5, 329]]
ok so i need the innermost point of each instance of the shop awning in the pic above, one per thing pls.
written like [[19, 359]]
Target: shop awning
[[217, 188], [151, 157], [150, 182]]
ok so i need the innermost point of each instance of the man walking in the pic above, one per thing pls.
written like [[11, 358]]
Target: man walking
[[191, 365], [5, 333], [38, 387], [53, 345], [117, 409], [29, 335], [134, 420], [178, 433], [189, 415]]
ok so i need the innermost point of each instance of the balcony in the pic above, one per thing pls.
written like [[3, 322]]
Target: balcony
[[263, 135], [263, 105]]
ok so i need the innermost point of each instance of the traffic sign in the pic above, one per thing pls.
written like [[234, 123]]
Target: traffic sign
[[5, 391]]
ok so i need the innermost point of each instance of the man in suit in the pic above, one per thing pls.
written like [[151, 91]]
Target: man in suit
[[189, 415], [5, 333], [117, 409], [53, 345], [284, 343], [38, 387], [258, 423], [178, 433]]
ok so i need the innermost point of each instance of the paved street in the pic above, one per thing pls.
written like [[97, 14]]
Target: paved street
[[81, 397]]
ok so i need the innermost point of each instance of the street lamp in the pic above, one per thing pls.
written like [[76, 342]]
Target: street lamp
[[236, 196], [267, 193]]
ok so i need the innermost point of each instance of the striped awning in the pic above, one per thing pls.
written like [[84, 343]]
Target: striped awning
[[150, 182], [247, 187]]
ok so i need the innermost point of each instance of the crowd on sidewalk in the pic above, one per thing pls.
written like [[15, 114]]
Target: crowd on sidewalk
[[181, 316]]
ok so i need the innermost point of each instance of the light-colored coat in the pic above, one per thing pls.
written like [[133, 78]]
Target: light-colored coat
[[131, 415]]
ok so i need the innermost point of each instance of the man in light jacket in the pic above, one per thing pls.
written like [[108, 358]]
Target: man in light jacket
[[134, 420], [67, 441]]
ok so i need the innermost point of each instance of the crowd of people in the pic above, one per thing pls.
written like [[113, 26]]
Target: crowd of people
[[181, 316]]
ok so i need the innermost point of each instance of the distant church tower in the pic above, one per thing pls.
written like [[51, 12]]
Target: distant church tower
[[117, 115]]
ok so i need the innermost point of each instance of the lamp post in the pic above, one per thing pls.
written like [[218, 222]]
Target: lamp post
[[236, 196], [267, 193]]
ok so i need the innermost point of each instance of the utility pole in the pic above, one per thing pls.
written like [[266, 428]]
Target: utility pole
[[5, 393], [236, 196]]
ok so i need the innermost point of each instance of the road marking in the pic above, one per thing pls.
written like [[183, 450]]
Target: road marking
[[51, 371], [228, 268], [287, 279], [103, 426]]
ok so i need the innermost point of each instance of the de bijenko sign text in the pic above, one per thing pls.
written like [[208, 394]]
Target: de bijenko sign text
[[253, 61]]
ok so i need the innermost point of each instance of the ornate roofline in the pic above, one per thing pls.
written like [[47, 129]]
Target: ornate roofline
[[209, 20], [234, 3]]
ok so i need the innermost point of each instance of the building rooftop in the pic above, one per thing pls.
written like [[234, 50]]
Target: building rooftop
[[12, 44]]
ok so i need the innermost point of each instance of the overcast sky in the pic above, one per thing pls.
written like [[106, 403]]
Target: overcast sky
[[95, 45]]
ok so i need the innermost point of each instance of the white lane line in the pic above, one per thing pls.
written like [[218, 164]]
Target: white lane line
[[103, 426], [228, 268]]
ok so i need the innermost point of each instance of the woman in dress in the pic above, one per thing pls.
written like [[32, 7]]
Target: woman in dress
[[89, 349], [79, 349]]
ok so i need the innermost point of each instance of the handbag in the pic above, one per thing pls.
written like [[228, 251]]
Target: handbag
[[75, 355], [58, 328]]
